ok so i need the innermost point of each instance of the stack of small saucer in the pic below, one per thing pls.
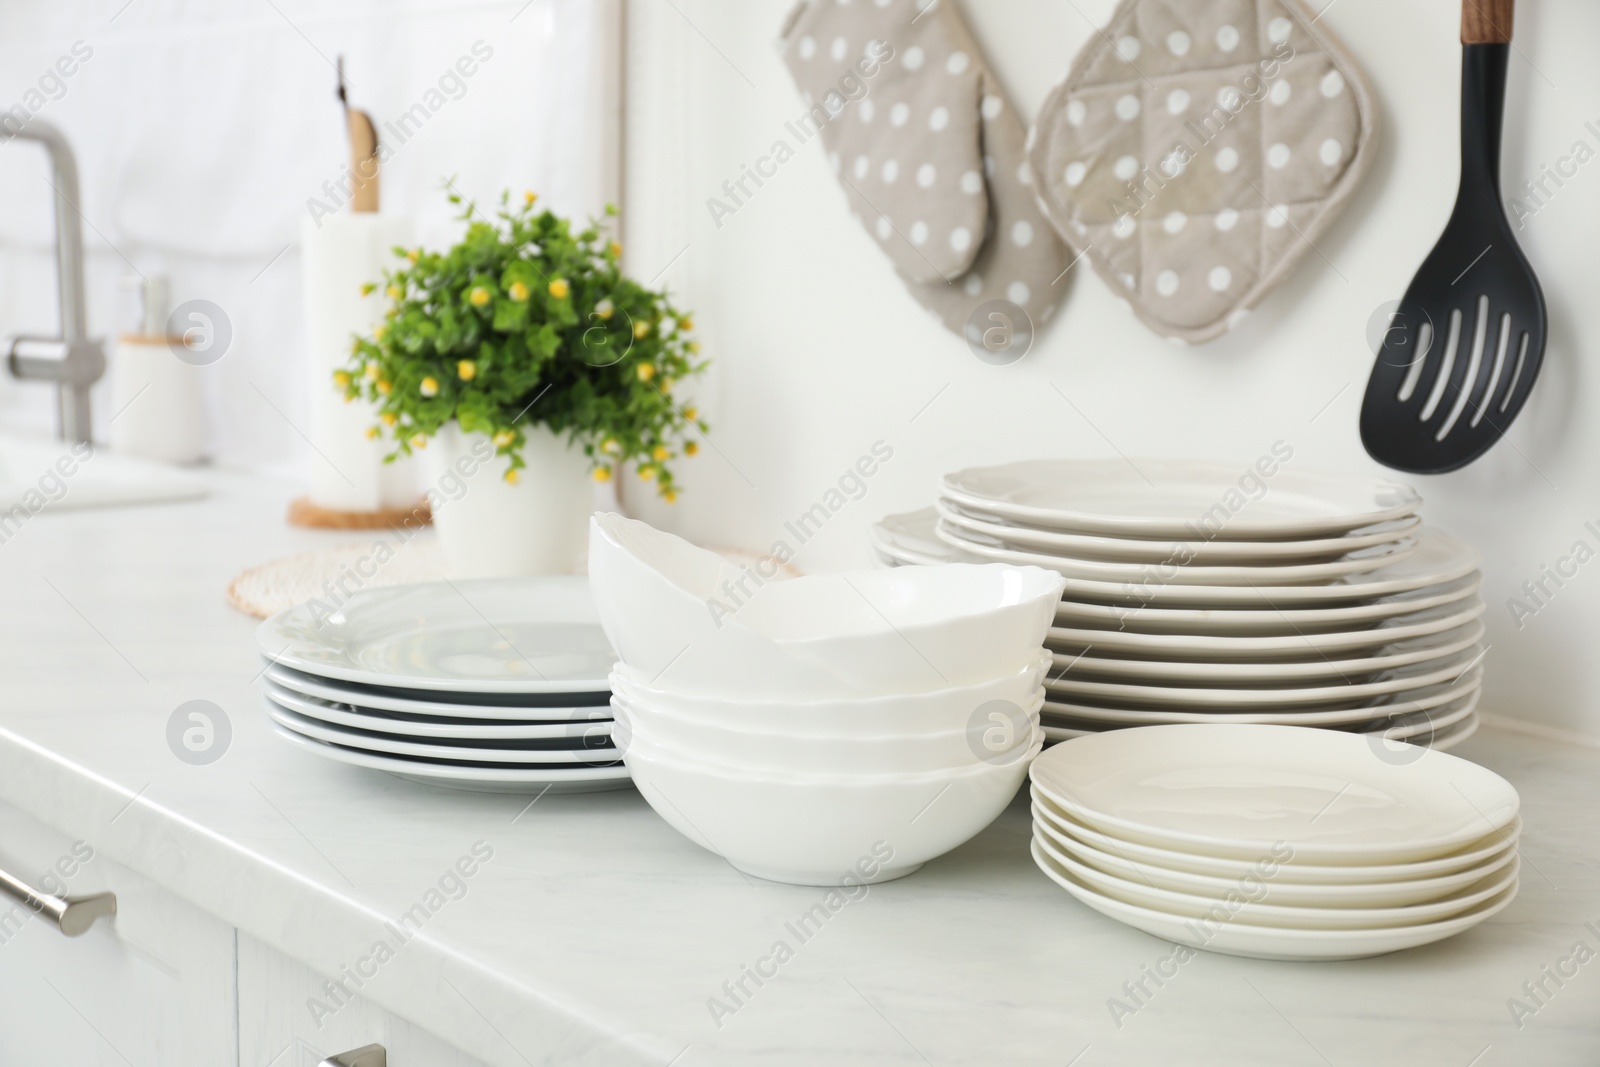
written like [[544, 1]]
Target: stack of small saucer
[[1198, 592], [1275, 842]]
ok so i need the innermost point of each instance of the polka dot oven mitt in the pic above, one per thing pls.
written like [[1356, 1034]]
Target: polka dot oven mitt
[[931, 158], [1196, 151]]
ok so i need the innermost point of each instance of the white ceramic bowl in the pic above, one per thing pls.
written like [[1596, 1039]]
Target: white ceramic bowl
[[657, 617], [922, 713], [823, 830], [684, 616], [1005, 737]]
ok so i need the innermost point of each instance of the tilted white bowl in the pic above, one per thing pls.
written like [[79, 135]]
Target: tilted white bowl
[[937, 712], [824, 830], [684, 616], [998, 736], [663, 630]]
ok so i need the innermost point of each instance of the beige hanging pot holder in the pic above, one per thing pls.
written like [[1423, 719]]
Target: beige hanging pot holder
[[1197, 151]]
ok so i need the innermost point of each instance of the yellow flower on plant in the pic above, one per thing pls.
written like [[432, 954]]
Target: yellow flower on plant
[[602, 474], [645, 371], [430, 386], [667, 384], [605, 309], [466, 370], [529, 197], [691, 448], [519, 292], [395, 292], [371, 371], [661, 452], [504, 438], [367, 288], [560, 289], [691, 413], [511, 477], [686, 323], [692, 347], [646, 472], [670, 496], [413, 255], [419, 441], [615, 249], [383, 386], [341, 377], [478, 297], [372, 433], [388, 418], [641, 329], [379, 330]]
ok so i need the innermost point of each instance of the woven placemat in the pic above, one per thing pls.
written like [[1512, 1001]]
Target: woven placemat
[[334, 574]]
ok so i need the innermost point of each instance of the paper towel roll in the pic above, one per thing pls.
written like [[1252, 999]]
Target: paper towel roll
[[338, 257]]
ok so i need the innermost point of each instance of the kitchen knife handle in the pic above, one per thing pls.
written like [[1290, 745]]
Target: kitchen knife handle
[[1486, 21]]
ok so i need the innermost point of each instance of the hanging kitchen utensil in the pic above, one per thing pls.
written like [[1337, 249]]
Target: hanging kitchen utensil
[[1462, 351]]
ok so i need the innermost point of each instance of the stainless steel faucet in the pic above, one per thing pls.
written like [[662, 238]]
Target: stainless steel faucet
[[72, 360]]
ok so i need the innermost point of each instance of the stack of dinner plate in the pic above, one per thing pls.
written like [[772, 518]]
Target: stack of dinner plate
[[1276, 842], [495, 686], [1199, 592]]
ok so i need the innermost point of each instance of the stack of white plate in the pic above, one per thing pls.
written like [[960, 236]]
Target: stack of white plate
[[1197, 592], [1275, 842], [495, 686]]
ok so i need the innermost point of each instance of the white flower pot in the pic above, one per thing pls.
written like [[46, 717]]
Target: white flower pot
[[491, 529]]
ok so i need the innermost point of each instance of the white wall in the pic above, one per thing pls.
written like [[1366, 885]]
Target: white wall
[[820, 353], [202, 129]]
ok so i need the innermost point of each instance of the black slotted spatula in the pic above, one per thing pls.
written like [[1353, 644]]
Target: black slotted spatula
[[1463, 349]]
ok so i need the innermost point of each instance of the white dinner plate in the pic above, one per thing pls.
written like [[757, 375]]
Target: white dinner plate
[[1402, 680], [1437, 560], [473, 777], [909, 538], [1477, 854], [600, 752], [1262, 622], [1176, 570], [1437, 737], [1258, 910], [1196, 550], [1449, 702], [1287, 647], [1180, 499], [389, 722], [1268, 942], [1418, 650], [1277, 891], [518, 708], [511, 635], [1236, 790]]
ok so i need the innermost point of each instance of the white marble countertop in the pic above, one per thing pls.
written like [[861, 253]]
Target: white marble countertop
[[596, 934]]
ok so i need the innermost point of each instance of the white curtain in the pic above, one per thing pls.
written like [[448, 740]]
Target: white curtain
[[203, 129]]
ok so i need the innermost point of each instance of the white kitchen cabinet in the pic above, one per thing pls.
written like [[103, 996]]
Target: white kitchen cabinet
[[153, 987], [278, 1029]]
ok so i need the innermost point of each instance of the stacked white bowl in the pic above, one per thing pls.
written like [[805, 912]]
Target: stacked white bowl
[[822, 730]]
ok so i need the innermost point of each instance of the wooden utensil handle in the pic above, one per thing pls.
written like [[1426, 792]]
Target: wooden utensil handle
[[1486, 21]]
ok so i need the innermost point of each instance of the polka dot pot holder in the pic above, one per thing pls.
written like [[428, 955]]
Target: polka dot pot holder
[[1196, 151], [931, 157]]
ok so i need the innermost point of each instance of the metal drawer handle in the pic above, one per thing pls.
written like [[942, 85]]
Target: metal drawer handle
[[365, 1056], [72, 915]]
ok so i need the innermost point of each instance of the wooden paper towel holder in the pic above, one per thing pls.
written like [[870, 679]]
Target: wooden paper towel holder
[[363, 200]]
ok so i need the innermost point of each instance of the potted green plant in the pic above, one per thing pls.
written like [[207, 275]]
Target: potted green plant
[[522, 362]]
